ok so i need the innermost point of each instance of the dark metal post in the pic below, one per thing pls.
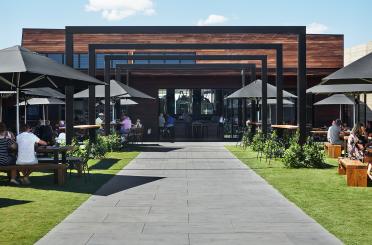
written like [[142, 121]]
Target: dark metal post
[[107, 97], [69, 115], [253, 101], [264, 97], [301, 86], [92, 95], [365, 109], [279, 85], [69, 90], [69, 48], [244, 101]]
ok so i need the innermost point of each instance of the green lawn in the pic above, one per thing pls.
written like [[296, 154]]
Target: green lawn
[[322, 193], [28, 213]]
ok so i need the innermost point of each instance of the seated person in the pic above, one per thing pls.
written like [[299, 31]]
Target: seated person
[[7, 143], [369, 128], [369, 171], [334, 133], [26, 150], [355, 147], [138, 124], [61, 138], [46, 133], [126, 124]]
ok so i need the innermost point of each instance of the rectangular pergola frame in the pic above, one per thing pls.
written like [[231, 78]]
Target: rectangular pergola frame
[[278, 47], [299, 31], [262, 58]]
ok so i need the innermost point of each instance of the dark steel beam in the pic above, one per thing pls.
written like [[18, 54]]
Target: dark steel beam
[[69, 114], [92, 97], [279, 85], [183, 57], [301, 86], [107, 98], [264, 98], [277, 47], [183, 29], [228, 66]]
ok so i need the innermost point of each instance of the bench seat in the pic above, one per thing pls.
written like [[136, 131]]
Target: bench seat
[[355, 170], [59, 170], [333, 151]]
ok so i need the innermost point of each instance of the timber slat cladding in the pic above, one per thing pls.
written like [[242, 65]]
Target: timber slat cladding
[[323, 51]]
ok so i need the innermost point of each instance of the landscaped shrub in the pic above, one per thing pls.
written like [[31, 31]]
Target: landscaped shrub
[[258, 142], [314, 155], [273, 146], [247, 138], [112, 142], [308, 156]]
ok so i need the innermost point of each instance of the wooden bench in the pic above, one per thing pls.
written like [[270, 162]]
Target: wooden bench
[[331, 150], [355, 170], [59, 170]]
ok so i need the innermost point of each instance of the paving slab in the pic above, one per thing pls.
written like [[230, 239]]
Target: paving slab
[[188, 193]]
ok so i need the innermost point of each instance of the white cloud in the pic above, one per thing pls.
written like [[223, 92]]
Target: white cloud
[[316, 28], [119, 9], [213, 19]]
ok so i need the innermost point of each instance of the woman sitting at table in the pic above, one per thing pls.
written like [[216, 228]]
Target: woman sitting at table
[[26, 150], [7, 143], [356, 142]]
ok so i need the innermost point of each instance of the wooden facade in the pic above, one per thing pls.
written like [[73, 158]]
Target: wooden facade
[[324, 52]]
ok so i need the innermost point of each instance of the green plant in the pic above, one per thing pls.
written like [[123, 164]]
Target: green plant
[[314, 155], [258, 142], [307, 156], [273, 146], [246, 139], [112, 142]]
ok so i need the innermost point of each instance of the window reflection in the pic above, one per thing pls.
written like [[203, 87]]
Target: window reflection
[[183, 101], [208, 101]]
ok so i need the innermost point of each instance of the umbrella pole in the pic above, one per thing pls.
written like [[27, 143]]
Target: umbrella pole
[[17, 98], [340, 112], [44, 114], [25, 112], [1, 109]]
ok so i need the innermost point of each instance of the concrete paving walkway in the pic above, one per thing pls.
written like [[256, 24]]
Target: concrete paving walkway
[[188, 193]]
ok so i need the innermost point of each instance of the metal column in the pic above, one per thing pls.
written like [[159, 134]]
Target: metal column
[[279, 85], [301, 86], [69, 116], [92, 97], [264, 97], [107, 98]]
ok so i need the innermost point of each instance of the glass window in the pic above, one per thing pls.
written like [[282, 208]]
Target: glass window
[[75, 61], [183, 101], [156, 61], [190, 61], [56, 57], [208, 101], [162, 95], [141, 61], [117, 62], [83, 61], [172, 61], [100, 61]]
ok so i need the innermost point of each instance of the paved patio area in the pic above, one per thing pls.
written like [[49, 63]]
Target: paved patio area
[[188, 193]]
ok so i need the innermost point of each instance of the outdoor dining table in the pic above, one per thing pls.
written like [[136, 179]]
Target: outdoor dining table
[[55, 150], [284, 126], [84, 127]]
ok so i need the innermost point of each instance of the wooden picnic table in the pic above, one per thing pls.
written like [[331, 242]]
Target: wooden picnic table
[[56, 150], [284, 126], [321, 132], [84, 127]]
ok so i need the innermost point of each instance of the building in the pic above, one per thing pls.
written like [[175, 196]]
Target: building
[[194, 95]]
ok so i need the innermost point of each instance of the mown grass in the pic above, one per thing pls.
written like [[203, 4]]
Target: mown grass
[[29, 212], [321, 193]]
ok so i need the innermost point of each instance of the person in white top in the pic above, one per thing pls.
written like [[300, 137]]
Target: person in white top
[[26, 150]]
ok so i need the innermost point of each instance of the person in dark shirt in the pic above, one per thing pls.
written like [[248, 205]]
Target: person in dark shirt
[[7, 143]]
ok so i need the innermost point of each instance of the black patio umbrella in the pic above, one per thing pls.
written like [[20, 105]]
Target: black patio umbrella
[[254, 90], [337, 99], [117, 89], [20, 68], [357, 72], [43, 102], [340, 88]]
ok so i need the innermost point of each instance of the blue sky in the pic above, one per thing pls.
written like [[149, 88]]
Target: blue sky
[[351, 18]]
